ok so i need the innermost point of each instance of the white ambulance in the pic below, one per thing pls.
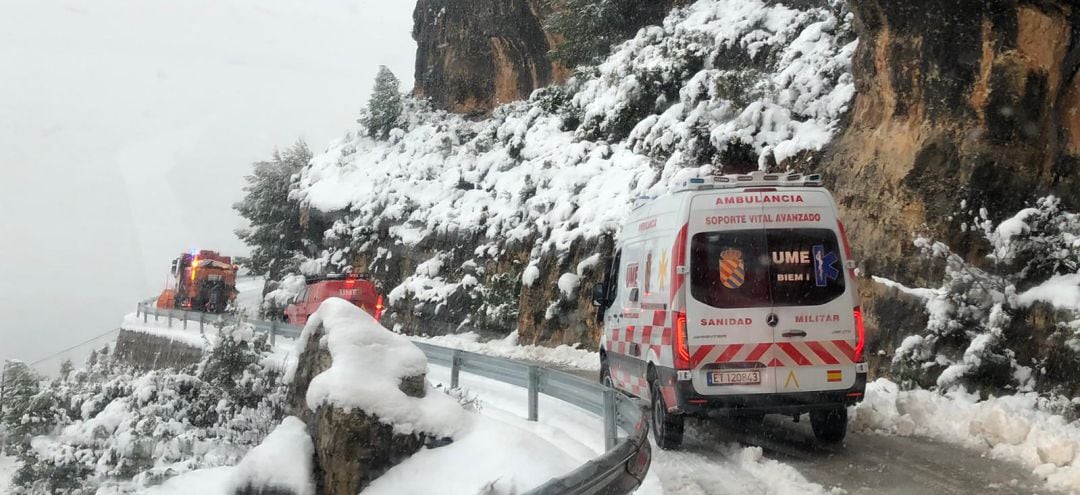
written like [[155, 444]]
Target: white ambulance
[[735, 296]]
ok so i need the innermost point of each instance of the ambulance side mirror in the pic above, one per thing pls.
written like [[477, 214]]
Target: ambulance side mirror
[[598, 294]]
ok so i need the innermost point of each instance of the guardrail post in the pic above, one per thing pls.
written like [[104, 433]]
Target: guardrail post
[[455, 368], [273, 329], [185, 320], [170, 319], [145, 316], [534, 393], [611, 432]]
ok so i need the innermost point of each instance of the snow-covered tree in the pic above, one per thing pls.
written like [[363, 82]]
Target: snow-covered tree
[[110, 428], [985, 315], [276, 234], [590, 27], [385, 106], [66, 367]]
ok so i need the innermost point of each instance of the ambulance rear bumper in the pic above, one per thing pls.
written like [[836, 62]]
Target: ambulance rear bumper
[[694, 404]]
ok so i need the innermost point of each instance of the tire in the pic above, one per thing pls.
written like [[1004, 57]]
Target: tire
[[829, 425], [605, 374], [667, 427]]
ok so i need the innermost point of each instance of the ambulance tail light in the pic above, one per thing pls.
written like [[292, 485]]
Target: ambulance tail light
[[682, 349], [860, 335], [378, 308]]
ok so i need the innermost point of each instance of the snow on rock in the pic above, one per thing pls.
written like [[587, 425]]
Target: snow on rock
[[563, 355], [492, 456], [529, 276], [282, 461], [568, 284], [368, 364], [1019, 428]]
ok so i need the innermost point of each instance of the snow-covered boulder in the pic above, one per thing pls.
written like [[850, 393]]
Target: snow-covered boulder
[[361, 390], [280, 465]]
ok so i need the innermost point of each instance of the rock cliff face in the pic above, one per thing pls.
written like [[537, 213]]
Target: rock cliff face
[[960, 105], [474, 55]]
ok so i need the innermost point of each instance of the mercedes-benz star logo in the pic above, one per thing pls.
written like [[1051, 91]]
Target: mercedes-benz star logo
[[772, 320]]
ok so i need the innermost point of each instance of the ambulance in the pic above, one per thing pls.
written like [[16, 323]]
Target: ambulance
[[735, 296]]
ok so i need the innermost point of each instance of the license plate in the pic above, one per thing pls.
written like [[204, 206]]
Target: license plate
[[749, 377]]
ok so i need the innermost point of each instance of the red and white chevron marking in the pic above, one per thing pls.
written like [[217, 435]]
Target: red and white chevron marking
[[778, 354], [631, 383], [650, 337]]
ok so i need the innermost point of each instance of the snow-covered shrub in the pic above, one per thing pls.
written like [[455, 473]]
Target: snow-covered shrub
[[1009, 321], [121, 430]]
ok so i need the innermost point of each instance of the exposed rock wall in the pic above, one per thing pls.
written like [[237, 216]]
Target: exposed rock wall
[[473, 55], [960, 105]]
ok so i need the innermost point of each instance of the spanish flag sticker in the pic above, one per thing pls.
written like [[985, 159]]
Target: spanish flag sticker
[[834, 375]]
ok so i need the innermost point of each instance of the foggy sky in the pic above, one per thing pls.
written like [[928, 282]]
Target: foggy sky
[[126, 128]]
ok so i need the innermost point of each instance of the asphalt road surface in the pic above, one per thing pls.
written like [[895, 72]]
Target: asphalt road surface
[[864, 463]]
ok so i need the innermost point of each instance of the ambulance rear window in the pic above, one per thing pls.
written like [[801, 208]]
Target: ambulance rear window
[[762, 268]]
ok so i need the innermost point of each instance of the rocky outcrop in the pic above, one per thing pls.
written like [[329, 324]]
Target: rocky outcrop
[[474, 55], [352, 448], [960, 105]]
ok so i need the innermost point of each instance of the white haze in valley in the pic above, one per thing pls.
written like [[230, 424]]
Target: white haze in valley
[[128, 127]]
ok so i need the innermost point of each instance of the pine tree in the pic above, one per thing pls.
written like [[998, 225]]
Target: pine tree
[[276, 233], [66, 367], [385, 106], [19, 385], [590, 27]]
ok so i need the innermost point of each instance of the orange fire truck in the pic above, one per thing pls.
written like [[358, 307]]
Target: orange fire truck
[[200, 281]]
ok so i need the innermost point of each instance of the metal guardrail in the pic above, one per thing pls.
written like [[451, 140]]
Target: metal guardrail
[[618, 471]]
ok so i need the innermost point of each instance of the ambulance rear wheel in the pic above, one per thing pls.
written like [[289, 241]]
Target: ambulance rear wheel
[[667, 427], [605, 374], [829, 425]]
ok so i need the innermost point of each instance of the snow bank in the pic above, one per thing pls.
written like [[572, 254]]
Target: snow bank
[[282, 460], [493, 456], [368, 364], [737, 469], [8, 466], [563, 355], [1015, 428]]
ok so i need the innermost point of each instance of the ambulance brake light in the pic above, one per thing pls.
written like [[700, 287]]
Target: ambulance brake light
[[860, 334], [682, 350]]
